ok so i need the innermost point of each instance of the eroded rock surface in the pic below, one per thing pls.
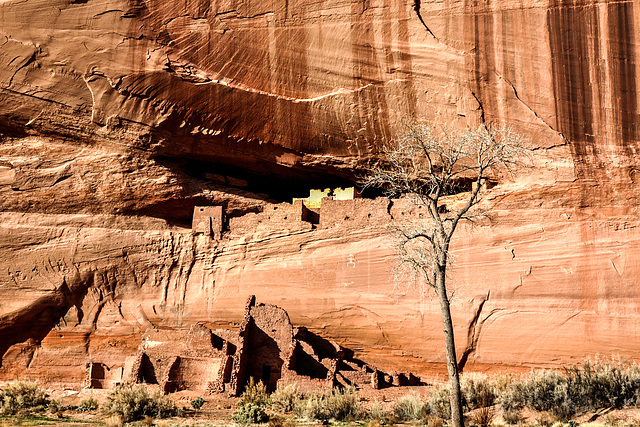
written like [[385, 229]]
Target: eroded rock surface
[[119, 117]]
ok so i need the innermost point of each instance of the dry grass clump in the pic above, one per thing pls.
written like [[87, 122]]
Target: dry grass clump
[[512, 417], [133, 402], [22, 396], [483, 417], [114, 421], [279, 421]]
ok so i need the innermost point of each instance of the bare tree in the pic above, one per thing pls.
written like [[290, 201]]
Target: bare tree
[[427, 165]]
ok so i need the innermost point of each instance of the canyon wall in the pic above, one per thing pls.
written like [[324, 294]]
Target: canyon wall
[[119, 117]]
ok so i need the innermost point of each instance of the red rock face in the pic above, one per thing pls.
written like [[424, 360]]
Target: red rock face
[[148, 108]]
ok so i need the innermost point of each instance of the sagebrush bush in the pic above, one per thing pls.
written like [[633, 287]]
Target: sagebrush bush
[[133, 402], [252, 404], [512, 417], [255, 394], [542, 391], [438, 404], [278, 421], [114, 421], [285, 398], [408, 407], [377, 413], [477, 391], [433, 421], [611, 383], [88, 404], [22, 395], [250, 414], [578, 389], [337, 404]]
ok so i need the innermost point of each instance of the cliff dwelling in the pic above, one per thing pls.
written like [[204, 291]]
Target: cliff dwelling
[[266, 348]]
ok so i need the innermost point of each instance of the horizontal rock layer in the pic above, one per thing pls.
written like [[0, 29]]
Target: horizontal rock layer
[[540, 286], [112, 110]]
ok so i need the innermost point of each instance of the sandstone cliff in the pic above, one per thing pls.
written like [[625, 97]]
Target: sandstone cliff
[[118, 117]]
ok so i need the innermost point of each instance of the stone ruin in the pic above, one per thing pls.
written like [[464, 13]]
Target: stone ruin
[[322, 209], [266, 348], [208, 220]]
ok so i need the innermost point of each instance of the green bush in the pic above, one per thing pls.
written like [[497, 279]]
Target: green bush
[[408, 408], [285, 399], [22, 395], [337, 404], [250, 414], [252, 404], [197, 403], [133, 402]]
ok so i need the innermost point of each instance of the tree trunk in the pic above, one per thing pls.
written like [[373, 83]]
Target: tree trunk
[[455, 396]]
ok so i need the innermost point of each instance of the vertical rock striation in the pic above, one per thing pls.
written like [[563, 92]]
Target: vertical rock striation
[[118, 117]]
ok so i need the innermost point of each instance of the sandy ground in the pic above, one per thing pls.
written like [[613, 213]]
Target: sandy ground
[[218, 409]]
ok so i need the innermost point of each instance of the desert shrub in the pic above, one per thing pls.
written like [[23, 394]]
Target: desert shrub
[[377, 413], [578, 389], [542, 391], [438, 404], [477, 391], [483, 416], [114, 421], [512, 417], [88, 404], [54, 406], [285, 398], [133, 402], [252, 404], [278, 421], [22, 395], [255, 394], [604, 384], [147, 421], [337, 404], [408, 408], [545, 419], [611, 420], [433, 421], [250, 414], [197, 403]]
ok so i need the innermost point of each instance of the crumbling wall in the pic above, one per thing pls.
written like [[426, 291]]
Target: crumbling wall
[[270, 338], [237, 377], [356, 212], [101, 376], [282, 216], [266, 348], [174, 359], [208, 220], [192, 373]]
